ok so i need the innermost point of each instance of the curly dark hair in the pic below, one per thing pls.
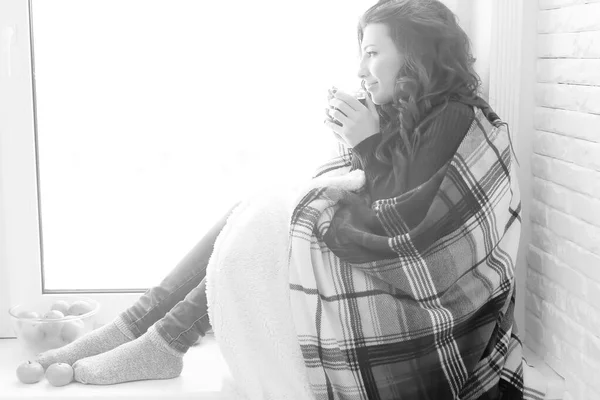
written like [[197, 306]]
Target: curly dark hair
[[438, 67]]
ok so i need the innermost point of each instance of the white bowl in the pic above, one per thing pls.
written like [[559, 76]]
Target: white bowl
[[38, 334]]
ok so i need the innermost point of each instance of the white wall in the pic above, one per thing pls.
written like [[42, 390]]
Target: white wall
[[563, 278], [475, 17], [504, 36]]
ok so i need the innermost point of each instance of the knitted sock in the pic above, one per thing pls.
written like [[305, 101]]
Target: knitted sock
[[95, 342], [147, 357]]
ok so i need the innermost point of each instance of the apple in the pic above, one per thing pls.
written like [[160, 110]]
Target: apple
[[71, 330], [52, 328], [53, 314], [28, 314], [80, 307], [31, 332], [60, 305], [30, 372], [59, 374]]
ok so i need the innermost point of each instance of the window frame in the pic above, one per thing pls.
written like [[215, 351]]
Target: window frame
[[19, 213], [21, 278], [20, 255]]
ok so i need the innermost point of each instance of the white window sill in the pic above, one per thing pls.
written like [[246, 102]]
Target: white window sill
[[555, 383], [204, 376]]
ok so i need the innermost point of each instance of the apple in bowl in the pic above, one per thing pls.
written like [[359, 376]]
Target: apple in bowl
[[43, 325]]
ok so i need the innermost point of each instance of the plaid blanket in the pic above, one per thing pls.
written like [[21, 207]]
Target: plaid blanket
[[435, 320]]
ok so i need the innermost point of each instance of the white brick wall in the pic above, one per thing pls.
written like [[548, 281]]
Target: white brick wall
[[562, 317]]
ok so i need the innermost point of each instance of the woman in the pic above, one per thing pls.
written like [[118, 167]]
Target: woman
[[426, 320], [421, 190]]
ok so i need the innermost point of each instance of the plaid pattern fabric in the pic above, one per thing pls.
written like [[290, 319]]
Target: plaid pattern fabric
[[435, 321], [337, 164]]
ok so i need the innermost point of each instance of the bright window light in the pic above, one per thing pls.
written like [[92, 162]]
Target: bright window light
[[155, 116]]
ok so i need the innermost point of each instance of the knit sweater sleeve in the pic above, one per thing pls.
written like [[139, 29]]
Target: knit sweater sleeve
[[441, 137], [354, 224]]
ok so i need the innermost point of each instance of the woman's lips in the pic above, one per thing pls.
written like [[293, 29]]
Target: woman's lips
[[371, 86]]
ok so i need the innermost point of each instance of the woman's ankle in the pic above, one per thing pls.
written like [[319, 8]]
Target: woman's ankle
[[125, 328], [178, 344]]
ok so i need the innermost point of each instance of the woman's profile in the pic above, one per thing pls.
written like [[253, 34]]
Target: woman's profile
[[390, 275]]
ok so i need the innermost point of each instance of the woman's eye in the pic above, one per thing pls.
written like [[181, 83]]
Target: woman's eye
[[371, 53]]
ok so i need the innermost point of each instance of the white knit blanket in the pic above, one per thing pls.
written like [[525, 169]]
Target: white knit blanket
[[248, 293]]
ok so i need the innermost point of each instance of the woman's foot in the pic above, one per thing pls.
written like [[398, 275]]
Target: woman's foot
[[147, 357], [95, 342]]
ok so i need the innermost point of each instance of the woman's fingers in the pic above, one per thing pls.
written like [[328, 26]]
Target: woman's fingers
[[333, 125], [338, 115], [336, 128], [350, 101], [342, 106]]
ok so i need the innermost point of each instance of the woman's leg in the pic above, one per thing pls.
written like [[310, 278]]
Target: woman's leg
[[185, 278], [158, 353], [149, 308], [187, 321]]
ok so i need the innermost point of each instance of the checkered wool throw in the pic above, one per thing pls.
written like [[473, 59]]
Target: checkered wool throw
[[435, 321]]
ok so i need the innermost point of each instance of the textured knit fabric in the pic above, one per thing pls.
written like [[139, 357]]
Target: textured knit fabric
[[98, 341], [439, 141], [147, 357]]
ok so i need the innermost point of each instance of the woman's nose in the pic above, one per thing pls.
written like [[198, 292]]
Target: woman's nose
[[362, 72], [362, 69]]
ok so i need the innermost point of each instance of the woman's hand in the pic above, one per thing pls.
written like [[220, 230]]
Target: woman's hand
[[357, 121]]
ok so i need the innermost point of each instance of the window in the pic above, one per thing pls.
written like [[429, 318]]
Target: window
[[146, 121]]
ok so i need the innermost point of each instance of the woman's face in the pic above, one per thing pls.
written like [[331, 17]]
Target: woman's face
[[379, 64]]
